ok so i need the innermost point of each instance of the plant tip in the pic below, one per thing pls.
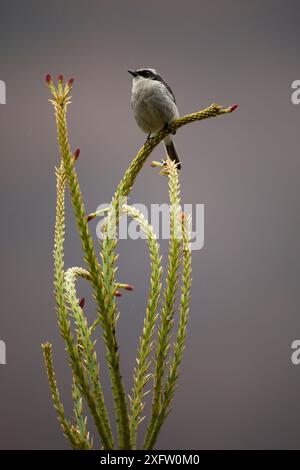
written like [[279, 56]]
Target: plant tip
[[156, 164], [233, 107], [70, 81], [82, 302], [48, 78], [60, 78], [128, 287], [118, 293]]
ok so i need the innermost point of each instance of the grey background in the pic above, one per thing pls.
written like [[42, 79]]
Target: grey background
[[238, 388]]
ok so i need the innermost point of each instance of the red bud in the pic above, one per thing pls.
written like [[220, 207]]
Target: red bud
[[60, 78], [82, 302], [233, 107], [71, 81], [118, 293], [128, 287], [90, 217], [76, 154], [48, 78]]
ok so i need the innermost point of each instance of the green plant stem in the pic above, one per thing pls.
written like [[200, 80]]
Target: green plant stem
[[88, 354], [62, 311], [168, 309], [81, 420], [99, 279], [141, 375], [68, 431], [122, 191], [173, 375]]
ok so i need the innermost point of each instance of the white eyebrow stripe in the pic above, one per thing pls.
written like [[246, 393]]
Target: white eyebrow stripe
[[147, 69]]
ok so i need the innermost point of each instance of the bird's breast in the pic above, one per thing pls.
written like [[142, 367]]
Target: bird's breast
[[152, 106]]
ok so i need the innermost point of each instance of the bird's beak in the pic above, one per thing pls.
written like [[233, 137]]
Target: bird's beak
[[133, 73]]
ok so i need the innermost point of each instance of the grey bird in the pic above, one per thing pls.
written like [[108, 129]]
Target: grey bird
[[154, 106]]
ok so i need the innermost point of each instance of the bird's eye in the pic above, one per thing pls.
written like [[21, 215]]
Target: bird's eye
[[146, 74]]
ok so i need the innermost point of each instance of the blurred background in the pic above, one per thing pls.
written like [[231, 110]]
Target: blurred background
[[238, 388]]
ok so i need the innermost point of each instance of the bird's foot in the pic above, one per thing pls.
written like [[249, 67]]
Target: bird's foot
[[148, 139], [167, 127]]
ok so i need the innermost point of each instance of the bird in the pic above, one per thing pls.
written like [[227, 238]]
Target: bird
[[154, 106]]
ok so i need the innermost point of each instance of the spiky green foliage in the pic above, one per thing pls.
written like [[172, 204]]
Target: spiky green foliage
[[101, 281], [168, 309], [67, 428], [163, 365], [80, 429], [109, 288], [86, 346], [78, 368], [179, 344], [141, 371]]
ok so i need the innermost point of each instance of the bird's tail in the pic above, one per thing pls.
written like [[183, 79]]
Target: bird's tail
[[171, 151]]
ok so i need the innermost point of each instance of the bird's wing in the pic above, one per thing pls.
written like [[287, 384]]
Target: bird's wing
[[160, 79]]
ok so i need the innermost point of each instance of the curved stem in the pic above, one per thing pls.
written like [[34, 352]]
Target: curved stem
[[88, 357], [137, 163]]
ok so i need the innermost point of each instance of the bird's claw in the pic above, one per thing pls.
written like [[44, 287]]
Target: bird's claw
[[167, 127]]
